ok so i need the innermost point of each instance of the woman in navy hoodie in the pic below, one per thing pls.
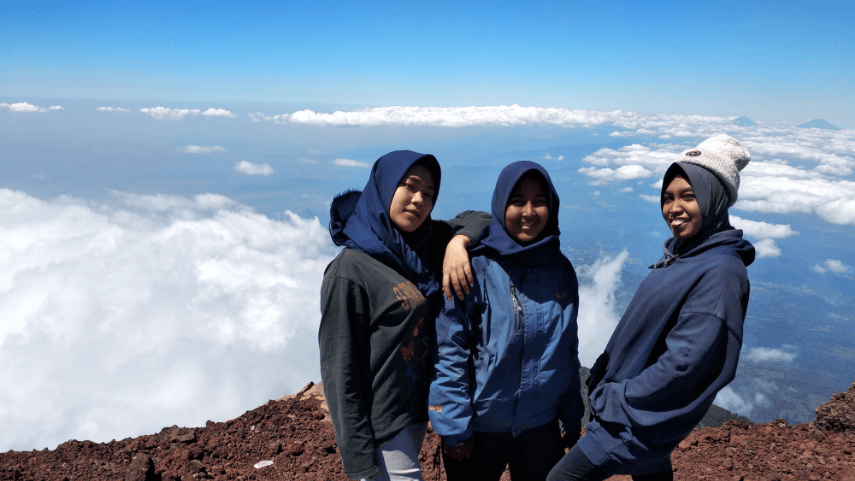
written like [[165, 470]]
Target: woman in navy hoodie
[[379, 299], [678, 342], [507, 366]]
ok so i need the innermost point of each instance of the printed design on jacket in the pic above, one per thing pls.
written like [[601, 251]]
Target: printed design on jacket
[[409, 295], [411, 298]]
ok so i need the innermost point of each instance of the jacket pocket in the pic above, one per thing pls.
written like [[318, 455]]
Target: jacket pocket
[[609, 440]]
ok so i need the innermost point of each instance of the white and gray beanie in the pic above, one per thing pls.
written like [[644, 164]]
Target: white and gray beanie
[[723, 156]]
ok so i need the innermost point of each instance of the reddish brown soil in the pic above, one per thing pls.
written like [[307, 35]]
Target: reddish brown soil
[[295, 434]]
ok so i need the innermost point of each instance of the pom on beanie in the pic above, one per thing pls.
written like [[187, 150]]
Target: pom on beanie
[[723, 156]]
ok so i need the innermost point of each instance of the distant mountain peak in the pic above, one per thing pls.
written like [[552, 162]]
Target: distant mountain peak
[[818, 124], [743, 121]]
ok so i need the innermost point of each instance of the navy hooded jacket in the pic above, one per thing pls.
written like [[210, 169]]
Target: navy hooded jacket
[[507, 354], [675, 347]]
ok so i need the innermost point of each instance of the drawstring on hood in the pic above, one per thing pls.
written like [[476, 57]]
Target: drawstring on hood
[[538, 253], [360, 220]]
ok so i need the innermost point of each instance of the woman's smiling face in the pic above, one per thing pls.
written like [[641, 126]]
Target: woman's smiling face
[[527, 212], [680, 208]]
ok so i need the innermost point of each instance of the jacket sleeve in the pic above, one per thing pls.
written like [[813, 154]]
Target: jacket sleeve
[[702, 352], [449, 402], [571, 407], [342, 335], [471, 223]]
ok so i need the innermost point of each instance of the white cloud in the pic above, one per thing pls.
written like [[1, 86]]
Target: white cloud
[[792, 170], [502, 115], [598, 315], [831, 265], [150, 311], [249, 168], [653, 199], [762, 229], [766, 248], [634, 154], [56, 107], [627, 172], [219, 113], [351, 163], [164, 113], [198, 149], [782, 189], [549, 157], [22, 107], [112, 109], [626, 190], [765, 354], [276, 119], [728, 399]]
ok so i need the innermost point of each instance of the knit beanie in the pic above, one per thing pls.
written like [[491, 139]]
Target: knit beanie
[[723, 156]]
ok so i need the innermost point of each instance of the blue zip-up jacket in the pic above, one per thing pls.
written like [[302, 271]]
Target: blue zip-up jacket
[[507, 354], [675, 347]]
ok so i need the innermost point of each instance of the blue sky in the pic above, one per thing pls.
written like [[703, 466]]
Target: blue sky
[[166, 171], [766, 60]]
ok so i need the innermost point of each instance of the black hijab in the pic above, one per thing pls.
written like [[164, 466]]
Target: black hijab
[[713, 200]]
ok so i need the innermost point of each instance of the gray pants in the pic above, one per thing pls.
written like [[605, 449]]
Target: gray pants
[[399, 457]]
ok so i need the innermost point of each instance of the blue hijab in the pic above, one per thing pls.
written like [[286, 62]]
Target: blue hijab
[[360, 220], [540, 252]]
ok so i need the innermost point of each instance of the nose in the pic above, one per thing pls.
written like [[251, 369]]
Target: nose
[[676, 207], [418, 198], [528, 209]]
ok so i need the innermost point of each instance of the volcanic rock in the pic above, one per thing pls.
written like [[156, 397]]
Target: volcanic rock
[[294, 433], [838, 414]]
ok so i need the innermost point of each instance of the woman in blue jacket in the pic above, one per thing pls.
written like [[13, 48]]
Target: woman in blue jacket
[[507, 360], [678, 342], [379, 298]]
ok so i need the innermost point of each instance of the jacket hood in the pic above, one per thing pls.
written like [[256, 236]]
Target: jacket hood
[[730, 240], [360, 219], [497, 237]]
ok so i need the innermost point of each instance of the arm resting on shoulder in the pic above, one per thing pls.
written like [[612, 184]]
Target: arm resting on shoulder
[[468, 228]]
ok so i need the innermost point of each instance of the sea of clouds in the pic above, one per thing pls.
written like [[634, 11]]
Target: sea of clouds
[[128, 315], [121, 318]]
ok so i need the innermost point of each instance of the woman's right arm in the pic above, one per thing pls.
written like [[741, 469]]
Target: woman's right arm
[[342, 336]]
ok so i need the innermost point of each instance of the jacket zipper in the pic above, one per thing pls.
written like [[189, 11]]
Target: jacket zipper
[[517, 308]]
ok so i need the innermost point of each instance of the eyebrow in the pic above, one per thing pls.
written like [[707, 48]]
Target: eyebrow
[[417, 180]]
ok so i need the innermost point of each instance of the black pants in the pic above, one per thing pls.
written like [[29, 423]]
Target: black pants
[[530, 455], [575, 466]]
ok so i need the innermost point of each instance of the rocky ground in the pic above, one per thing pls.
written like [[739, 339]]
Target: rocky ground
[[291, 438]]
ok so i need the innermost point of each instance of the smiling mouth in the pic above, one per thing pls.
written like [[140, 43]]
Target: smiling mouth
[[677, 222]]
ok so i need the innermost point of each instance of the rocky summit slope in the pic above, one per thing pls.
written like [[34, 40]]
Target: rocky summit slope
[[292, 438]]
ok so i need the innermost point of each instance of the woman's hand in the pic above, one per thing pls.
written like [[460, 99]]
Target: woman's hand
[[456, 270], [459, 452]]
